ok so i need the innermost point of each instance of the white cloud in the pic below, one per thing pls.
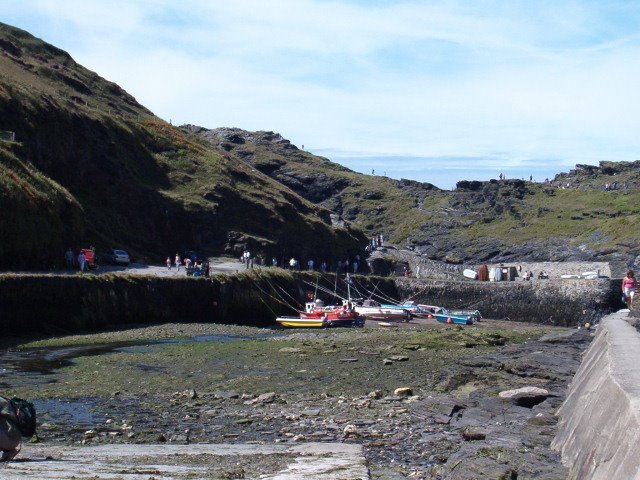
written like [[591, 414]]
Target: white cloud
[[399, 80]]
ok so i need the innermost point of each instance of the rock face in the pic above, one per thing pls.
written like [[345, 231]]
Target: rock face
[[316, 185], [435, 223]]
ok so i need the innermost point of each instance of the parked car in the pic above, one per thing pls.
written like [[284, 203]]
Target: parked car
[[116, 257]]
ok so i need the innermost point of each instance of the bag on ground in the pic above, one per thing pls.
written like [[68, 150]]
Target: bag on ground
[[21, 412]]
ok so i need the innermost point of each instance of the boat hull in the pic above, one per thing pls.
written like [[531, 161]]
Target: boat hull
[[297, 322], [384, 314], [453, 319], [327, 320], [475, 315]]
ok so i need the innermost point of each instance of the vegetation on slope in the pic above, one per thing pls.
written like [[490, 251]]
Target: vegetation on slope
[[131, 179], [91, 166], [479, 221]]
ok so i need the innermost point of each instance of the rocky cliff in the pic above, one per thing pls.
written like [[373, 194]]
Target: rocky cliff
[[572, 217]]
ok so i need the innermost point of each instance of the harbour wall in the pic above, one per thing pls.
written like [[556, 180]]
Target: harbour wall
[[561, 302], [599, 428], [71, 303], [34, 304]]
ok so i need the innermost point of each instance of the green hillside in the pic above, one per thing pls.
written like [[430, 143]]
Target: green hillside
[[571, 218], [90, 166], [376, 204]]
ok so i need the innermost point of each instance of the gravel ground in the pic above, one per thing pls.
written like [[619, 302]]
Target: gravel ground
[[216, 265]]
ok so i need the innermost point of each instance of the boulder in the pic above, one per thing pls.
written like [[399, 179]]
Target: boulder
[[403, 392], [525, 396]]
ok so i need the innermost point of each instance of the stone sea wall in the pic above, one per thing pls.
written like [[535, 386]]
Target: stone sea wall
[[70, 303], [554, 301], [43, 303], [599, 428]]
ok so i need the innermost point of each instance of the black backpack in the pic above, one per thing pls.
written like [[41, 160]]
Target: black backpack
[[21, 412]]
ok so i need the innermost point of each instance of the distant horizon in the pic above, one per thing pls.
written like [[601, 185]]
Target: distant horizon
[[443, 172], [429, 91]]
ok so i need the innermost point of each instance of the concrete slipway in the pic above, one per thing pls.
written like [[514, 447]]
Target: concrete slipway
[[318, 461]]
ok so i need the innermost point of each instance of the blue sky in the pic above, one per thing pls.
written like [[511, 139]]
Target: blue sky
[[432, 91]]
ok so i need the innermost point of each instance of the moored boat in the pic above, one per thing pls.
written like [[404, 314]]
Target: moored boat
[[453, 319], [297, 322], [475, 315], [316, 315], [419, 311], [373, 310]]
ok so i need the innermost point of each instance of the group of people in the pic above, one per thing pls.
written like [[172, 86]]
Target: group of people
[[81, 260], [192, 265], [542, 275], [375, 242], [345, 266]]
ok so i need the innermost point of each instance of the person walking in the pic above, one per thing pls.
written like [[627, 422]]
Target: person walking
[[82, 260], [629, 288], [177, 260], [169, 263], [68, 258]]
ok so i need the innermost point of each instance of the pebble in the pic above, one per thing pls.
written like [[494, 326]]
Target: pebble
[[351, 431], [290, 350], [376, 394]]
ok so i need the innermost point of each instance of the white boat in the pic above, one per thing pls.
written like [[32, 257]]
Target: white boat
[[374, 311], [470, 273]]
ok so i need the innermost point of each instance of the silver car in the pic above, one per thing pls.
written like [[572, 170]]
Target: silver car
[[119, 257]]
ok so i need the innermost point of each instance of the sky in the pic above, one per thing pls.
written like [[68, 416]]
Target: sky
[[431, 91]]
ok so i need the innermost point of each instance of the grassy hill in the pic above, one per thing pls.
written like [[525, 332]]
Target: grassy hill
[[376, 204], [507, 220], [91, 166]]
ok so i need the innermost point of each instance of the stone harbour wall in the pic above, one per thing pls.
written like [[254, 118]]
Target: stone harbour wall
[[554, 301], [71, 303], [599, 428]]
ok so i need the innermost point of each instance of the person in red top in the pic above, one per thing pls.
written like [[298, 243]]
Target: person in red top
[[629, 288]]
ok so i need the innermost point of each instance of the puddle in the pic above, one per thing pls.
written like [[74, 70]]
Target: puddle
[[77, 413]]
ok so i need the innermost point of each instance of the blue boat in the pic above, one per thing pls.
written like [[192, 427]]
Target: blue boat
[[444, 317], [475, 315]]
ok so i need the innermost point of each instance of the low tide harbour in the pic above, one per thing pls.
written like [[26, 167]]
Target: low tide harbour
[[421, 399]]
